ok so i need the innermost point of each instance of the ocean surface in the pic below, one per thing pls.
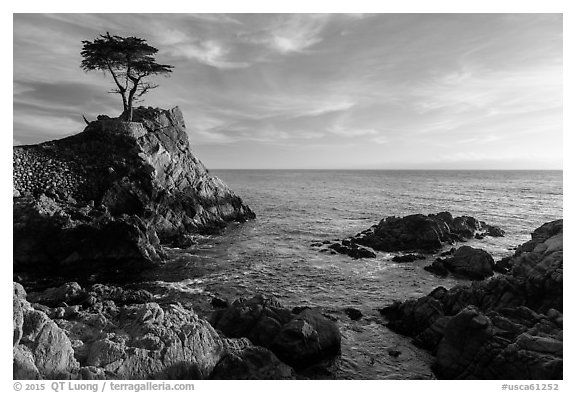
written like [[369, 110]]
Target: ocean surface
[[294, 208]]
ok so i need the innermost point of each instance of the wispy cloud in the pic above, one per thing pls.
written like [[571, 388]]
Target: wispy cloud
[[292, 33], [211, 53], [520, 91]]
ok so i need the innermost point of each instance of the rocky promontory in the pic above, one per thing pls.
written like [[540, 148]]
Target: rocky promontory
[[108, 197], [507, 327]]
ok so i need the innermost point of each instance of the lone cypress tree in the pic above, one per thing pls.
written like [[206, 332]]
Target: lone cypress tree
[[130, 61]]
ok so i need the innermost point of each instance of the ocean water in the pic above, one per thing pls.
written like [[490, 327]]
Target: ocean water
[[272, 254]]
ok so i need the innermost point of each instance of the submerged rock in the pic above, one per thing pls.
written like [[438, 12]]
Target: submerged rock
[[106, 198], [507, 327], [352, 250], [408, 258]]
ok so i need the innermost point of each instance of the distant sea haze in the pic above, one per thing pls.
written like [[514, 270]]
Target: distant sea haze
[[295, 208]]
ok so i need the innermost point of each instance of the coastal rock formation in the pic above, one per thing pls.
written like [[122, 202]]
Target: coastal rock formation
[[300, 340], [508, 327], [41, 349], [114, 333], [416, 232], [468, 262], [111, 194]]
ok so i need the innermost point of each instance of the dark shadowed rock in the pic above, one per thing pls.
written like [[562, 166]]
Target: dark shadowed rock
[[352, 250], [473, 263], [307, 339], [437, 267], [218, 302], [416, 232], [299, 340], [259, 319], [503, 265], [408, 258], [52, 297], [507, 327], [353, 313], [243, 360]]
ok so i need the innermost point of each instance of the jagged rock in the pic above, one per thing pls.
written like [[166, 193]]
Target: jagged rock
[[42, 350], [118, 189], [507, 327], [52, 297], [495, 346], [147, 341], [132, 339], [418, 232], [259, 319], [413, 316], [299, 340]]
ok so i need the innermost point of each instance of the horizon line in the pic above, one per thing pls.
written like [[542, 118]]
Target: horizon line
[[383, 169]]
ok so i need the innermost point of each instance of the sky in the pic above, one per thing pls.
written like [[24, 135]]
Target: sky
[[317, 91]]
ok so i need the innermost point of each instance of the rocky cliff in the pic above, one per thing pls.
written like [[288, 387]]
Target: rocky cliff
[[110, 195], [508, 327]]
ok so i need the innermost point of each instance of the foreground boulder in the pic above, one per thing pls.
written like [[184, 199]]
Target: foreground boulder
[[416, 232], [116, 333], [108, 196], [468, 262], [300, 340], [508, 327]]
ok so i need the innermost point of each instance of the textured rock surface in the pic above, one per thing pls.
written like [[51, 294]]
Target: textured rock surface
[[113, 192], [508, 327], [299, 340], [415, 232], [41, 348], [118, 333], [466, 261]]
